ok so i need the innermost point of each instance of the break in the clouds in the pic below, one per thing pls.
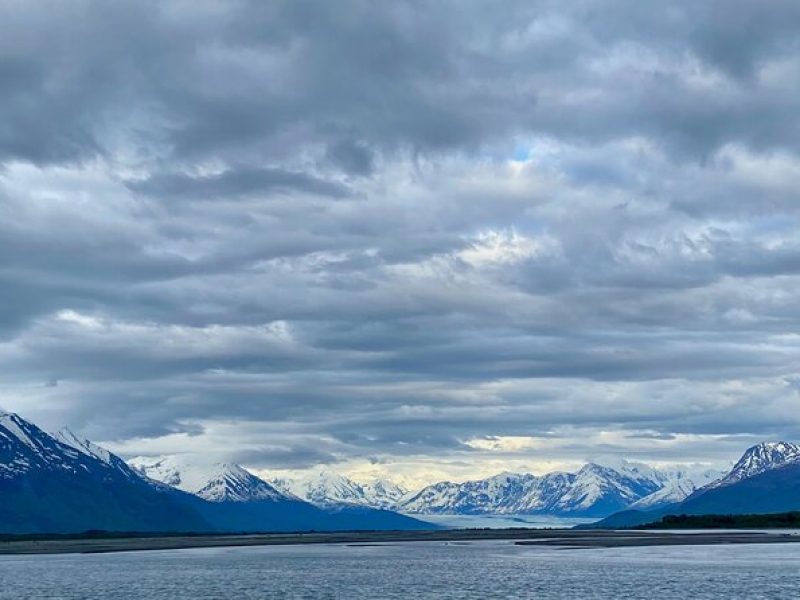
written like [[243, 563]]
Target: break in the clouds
[[434, 237]]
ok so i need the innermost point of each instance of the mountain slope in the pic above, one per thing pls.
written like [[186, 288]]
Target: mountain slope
[[759, 459], [237, 500], [50, 486], [771, 491], [766, 479], [327, 488], [680, 484], [62, 483], [84, 446], [382, 493], [499, 494], [599, 490], [595, 490], [216, 482]]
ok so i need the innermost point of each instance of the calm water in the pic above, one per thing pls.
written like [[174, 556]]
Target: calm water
[[420, 570]]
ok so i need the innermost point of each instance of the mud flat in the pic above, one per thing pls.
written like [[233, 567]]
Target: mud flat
[[526, 537]]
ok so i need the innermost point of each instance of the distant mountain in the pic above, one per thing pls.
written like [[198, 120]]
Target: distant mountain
[[766, 479], [326, 488], [595, 490], [63, 483], [772, 491], [679, 485], [323, 488], [216, 482], [59, 484], [84, 446], [506, 493], [600, 490], [237, 500], [471, 497], [382, 493], [759, 459]]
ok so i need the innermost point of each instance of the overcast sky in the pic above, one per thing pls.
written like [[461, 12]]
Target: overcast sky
[[431, 239]]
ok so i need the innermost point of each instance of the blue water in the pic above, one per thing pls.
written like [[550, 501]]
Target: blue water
[[411, 570]]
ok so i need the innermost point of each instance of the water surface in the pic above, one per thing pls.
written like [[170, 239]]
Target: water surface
[[410, 570]]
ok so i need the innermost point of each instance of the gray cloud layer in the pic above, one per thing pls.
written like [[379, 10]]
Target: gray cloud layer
[[369, 231]]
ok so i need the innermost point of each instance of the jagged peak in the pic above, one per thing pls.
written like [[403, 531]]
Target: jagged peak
[[66, 436], [24, 431], [779, 447], [760, 458], [768, 453], [214, 481]]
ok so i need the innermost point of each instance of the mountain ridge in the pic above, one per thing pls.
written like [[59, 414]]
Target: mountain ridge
[[766, 479], [62, 483]]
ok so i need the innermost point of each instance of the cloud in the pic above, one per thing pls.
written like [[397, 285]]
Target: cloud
[[236, 183], [298, 234]]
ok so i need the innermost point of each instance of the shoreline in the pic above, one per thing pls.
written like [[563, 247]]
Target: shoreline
[[559, 538]]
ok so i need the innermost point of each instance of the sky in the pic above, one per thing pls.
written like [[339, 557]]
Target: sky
[[426, 240]]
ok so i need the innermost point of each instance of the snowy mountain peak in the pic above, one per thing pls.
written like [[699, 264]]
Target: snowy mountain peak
[[635, 470], [382, 493], [67, 437], [217, 482], [234, 483], [679, 485], [25, 447], [82, 445], [323, 487], [761, 458], [16, 429]]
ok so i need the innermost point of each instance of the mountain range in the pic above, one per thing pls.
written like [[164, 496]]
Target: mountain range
[[596, 490], [61, 483], [766, 479], [327, 488]]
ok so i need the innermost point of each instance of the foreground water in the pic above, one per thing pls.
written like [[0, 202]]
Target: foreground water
[[410, 570]]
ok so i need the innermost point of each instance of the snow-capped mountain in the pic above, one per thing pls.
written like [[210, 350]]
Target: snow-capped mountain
[[759, 459], [492, 495], [237, 500], [24, 448], [597, 489], [326, 488], [217, 482], [323, 488], [84, 446], [50, 484], [680, 484], [766, 479], [382, 493], [64, 483]]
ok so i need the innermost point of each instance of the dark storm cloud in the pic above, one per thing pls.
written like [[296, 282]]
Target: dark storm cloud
[[394, 229], [234, 183]]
